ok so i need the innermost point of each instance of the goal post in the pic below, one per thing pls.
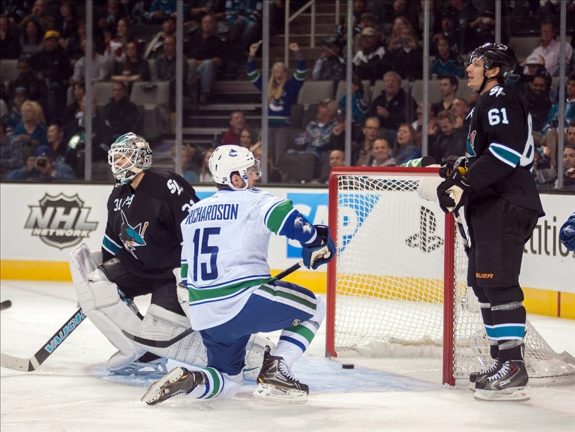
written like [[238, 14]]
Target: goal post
[[397, 286]]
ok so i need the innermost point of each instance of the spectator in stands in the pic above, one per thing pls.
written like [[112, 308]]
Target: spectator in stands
[[336, 158], [66, 22], [73, 45], [569, 167], [78, 93], [449, 140], [400, 25], [537, 95], [463, 13], [248, 138], [101, 65], [237, 124], [243, 17], [31, 131], [405, 146], [392, 106], [34, 88], [370, 62], [482, 30], [13, 115], [318, 132], [553, 122], [448, 85], [460, 108], [61, 152], [52, 65], [367, 19], [359, 101], [570, 136], [381, 154], [407, 59], [337, 139], [159, 10], [201, 8], [156, 45], [165, 68], [133, 68], [282, 94], [549, 48], [446, 62], [191, 162], [205, 176], [450, 31], [42, 167], [13, 153], [274, 174], [330, 65], [544, 174], [362, 150], [115, 10], [120, 113], [207, 53], [31, 37], [41, 15], [417, 125], [116, 43], [9, 43]]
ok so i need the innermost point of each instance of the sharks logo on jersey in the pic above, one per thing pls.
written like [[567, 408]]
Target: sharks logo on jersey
[[132, 236]]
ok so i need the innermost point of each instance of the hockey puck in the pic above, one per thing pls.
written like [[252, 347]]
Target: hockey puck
[[347, 366]]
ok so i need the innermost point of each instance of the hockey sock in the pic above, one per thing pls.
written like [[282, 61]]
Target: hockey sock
[[509, 329], [488, 322], [295, 340]]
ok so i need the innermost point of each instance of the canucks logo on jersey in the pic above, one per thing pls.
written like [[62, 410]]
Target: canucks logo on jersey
[[132, 236]]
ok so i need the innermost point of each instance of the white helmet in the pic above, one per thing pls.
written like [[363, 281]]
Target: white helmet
[[131, 148], [228, 159]]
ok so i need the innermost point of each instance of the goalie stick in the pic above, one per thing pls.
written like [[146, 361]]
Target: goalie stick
[[168, 342], [5, 304], [34, 362]]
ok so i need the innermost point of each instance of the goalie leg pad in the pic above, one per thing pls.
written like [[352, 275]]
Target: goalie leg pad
[[100, 301], [162, 324]]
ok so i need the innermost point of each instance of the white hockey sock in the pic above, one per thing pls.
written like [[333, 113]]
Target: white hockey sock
[[295, 340]]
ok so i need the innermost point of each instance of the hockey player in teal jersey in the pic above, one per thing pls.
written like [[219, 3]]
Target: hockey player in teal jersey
[[224, 266]]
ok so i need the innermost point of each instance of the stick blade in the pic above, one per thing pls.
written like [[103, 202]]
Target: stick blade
[[17, 363]]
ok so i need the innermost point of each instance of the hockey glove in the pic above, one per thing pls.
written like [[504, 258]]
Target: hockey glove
[[567, 233], [320, 251], [452, 192], [453, 163]]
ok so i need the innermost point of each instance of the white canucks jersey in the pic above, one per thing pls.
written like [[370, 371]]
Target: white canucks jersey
[[225, 248]]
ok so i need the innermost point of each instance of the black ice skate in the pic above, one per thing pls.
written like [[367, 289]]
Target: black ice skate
[[179, 381], [486, 371], [508, 383], [276, 382]]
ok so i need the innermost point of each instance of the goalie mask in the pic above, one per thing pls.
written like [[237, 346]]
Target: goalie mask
[[229, 159], [128, 156], [495, 55]]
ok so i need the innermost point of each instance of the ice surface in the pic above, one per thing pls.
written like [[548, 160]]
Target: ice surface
[[72, 391]]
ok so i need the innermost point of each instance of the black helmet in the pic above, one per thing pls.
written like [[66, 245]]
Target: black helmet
[[496, 54]]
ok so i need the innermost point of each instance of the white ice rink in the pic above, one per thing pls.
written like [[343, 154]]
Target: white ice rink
[[71, 391]]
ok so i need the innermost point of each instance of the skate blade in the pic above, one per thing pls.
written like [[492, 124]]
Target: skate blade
[[512, 394], [159, 391], [270, 392]]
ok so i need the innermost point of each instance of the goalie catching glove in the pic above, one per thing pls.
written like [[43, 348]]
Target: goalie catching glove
[[452, 192], [320, 251]]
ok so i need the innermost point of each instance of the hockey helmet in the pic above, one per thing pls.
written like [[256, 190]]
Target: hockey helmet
[[495, 54], [229, 159], [129, 155]]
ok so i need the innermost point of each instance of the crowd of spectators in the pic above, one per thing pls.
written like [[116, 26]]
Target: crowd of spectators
[[223, 38]]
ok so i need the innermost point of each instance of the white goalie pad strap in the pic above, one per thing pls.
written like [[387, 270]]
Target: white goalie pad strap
[[427, 187], [162, 324], [83, 262], [100, 301]]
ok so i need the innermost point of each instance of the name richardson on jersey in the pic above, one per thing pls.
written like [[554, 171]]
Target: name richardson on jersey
[[60, 221], [213, 212], [545, 239]]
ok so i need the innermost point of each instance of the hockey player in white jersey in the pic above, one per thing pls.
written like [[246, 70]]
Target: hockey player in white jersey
[[224, 266]]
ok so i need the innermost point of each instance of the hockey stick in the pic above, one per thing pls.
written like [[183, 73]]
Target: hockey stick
[[34, 362], [5, 304], [168, 342]]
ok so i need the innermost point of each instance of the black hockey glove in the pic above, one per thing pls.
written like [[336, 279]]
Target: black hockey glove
[[453, 163], [320, 251], [452, 192]]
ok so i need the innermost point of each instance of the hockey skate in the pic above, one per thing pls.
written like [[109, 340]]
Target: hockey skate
[[180, 381], [276, 382], [486, 371], [508, 383], [148, 365]]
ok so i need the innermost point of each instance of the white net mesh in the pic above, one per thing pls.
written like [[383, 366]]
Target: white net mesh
[[389, 280]]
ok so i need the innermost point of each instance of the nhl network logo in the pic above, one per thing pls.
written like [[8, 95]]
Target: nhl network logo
[[60, 221], [426, 240]]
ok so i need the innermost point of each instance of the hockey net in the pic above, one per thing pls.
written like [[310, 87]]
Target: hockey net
[[397, 287]]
